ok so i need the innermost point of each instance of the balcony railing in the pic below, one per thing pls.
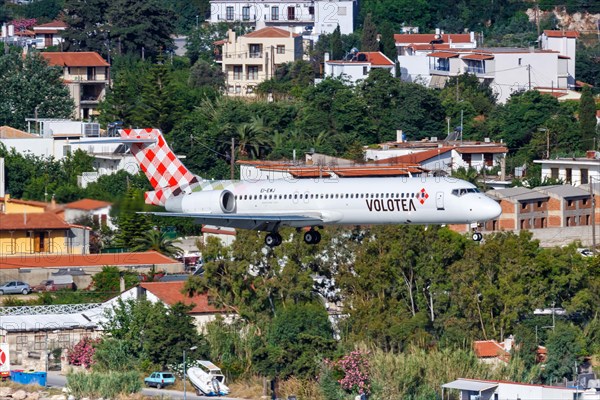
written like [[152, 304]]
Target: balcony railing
[[255, 54], [475, 70], [445, 68]]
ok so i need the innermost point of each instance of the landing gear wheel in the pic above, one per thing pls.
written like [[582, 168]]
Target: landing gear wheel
[[312, 237], [273, 239], [477, 236]]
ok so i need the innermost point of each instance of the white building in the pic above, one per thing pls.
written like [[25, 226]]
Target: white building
[[500, 390], [50, 34], [315, 16], [414, 48], [97, 210], [574, 171], [565, 42], [359, 66], [253, 58], [507, 70]]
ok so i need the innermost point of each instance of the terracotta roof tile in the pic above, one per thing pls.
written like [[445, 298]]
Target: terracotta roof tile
[[53, 24], [87, 204], [488, 348], [478, 57], [171, 293], [271, 32], [415, 158], [7, 132], [558, 34], [85, 260], [443, 54], [421, 46], [75, 59], [378, 58], [428, 37], [29, 221], [482, 149]]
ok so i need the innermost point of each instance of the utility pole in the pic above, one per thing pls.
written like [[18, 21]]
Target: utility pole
[[547, 143], [592, 197], [529, 74], [232, 158]]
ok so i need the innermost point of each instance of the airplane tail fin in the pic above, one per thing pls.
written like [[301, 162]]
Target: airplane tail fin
[[166, 173]]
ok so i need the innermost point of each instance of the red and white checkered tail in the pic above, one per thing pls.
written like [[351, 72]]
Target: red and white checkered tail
[[166, 173]]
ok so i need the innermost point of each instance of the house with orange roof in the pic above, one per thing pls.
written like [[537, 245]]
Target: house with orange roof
[[50, 34], [413, 49], [97, 210], [253, 58], [493, 352], [170, 293], [358, 65], [35, 267], [87, 75], [565, 42]]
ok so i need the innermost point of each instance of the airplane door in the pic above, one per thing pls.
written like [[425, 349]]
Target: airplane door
[[439, 200]]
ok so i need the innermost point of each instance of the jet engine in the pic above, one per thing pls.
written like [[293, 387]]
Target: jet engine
[[209, 201]]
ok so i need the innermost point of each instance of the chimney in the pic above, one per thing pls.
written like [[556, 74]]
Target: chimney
[[326, 56], [472, 37], [231, 36], [437, 31], [53, 203], [399, 136]]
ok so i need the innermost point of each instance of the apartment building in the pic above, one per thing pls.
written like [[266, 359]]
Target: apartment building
[[358, 66], [87, 75], [565, 43], [574, 171], [253, 58], [314, 17]]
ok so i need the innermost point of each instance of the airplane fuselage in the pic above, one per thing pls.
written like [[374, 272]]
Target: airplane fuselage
[[352, 201]]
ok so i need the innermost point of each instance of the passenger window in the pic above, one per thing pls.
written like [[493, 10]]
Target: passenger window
[[295, 196]]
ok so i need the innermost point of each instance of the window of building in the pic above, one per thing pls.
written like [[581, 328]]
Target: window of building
[[291, 13], [274, 13], [365, 70], [255, 50], [311, 10], [539, 203], [237, 72], [252, 72], [523, 206], [570, 203], [21, 342], [554, 173], [280, 49], [39, 342], [569, 175], [520, 59], [229, 13], [584, 176], [246, 13], [488, 159], [342, 11]]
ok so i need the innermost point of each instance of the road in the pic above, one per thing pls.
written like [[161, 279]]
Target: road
[[56, 379]]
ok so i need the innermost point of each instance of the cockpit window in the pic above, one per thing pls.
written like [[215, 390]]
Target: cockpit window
[[460, 192]]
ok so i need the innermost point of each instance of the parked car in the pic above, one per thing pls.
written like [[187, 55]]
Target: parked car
[[160, 379], [14, 287], [57, 283]]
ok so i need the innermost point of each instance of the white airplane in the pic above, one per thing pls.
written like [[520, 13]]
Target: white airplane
[[270, 205]]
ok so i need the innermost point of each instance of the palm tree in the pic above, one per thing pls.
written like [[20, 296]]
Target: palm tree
[[156, 240], [251, 141]]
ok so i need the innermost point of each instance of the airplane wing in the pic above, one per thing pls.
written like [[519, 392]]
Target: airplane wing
[[259, 222]]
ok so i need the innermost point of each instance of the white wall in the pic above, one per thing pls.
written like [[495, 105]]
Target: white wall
[[415, 69], [567, 47], [327, 14]]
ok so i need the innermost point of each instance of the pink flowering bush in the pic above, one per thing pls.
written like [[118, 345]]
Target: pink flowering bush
[[23, 24], [83, 352], [355, 370]]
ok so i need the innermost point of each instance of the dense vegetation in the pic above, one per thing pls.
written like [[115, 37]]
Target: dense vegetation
[[412, 299]]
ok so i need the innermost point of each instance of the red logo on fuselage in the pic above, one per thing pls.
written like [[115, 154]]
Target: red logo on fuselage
[[423, 196]]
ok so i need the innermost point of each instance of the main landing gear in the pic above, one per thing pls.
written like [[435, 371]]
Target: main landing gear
[[477, 236], [310, 237]]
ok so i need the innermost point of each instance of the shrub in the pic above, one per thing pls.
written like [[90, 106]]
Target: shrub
[[105, 385], [83, 352]]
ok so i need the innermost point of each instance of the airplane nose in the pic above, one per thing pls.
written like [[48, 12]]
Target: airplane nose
[[491, 210]]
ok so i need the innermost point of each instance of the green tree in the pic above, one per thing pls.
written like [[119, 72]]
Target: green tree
[[87, 27], [205, 74], [143, 29], [132, 226], [587, 118], [157, 240], [336, 48], [565, 347], [388, 43], [158, 105], [368, 40], [28, 84], [154, 333], [108, 280], [297, 339]]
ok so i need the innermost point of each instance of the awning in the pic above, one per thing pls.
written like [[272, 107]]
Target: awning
[[442, 54], [438, 81], [470, 385], [478, 57]]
